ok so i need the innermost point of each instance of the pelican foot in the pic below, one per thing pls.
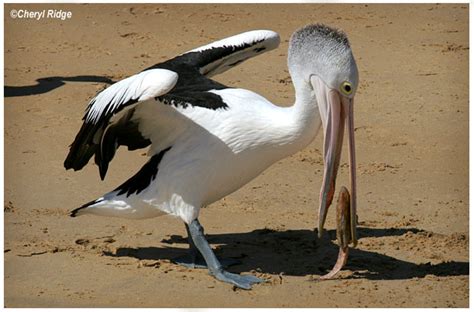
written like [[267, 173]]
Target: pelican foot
[[196, 232], [240, 281], [199, 262]]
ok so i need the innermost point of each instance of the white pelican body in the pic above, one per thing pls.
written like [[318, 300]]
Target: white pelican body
[[219, 153], [207, 140]]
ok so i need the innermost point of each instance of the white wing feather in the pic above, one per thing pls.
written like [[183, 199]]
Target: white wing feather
[[271, 39], [140, 87], [254, 42]]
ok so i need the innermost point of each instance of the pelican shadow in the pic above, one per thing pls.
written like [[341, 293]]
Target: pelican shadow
[[50, 83], [299, 253]]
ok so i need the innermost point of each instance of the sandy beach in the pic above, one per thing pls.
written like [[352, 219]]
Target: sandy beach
[[411, 118]]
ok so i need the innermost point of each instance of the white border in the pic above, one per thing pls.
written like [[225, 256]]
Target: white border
[[471, 136]]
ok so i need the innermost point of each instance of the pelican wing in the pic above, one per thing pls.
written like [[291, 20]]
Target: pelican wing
[[219, 56], [108, 119], [114, 116]]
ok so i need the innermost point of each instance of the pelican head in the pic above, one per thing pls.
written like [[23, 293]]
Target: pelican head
[[321, 59]]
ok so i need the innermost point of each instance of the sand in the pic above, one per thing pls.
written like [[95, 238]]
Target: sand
[[412, 154]]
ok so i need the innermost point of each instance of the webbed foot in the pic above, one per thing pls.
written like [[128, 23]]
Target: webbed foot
[[196, 232], [240, 281]]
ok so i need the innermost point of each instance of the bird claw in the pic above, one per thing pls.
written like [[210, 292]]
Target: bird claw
[[346, 230], [239, 281]]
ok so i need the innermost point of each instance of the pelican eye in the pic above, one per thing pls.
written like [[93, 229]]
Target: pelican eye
[[346, 88]]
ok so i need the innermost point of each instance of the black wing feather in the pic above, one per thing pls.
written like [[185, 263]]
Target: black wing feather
[[87, 141], [123, 132]]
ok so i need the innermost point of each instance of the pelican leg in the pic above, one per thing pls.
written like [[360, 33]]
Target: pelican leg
[[194, 259], [215, 268]]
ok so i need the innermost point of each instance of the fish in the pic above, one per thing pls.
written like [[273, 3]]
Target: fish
[[345, 231]]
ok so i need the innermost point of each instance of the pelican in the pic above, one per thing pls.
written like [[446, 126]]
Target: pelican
[[206, 140]]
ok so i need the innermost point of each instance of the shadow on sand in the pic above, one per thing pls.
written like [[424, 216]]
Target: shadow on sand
[[298, 253], [50, 83]]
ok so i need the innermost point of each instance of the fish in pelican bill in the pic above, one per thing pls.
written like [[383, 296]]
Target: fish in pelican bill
[[206, 140]]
